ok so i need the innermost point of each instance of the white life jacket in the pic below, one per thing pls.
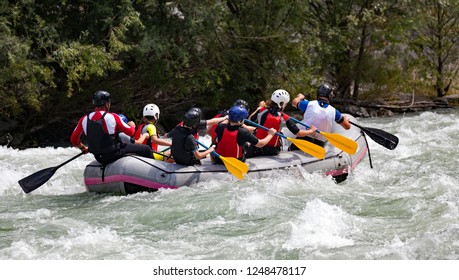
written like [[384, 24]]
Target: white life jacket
[[320, 117]]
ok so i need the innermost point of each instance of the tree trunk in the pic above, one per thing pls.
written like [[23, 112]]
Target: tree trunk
[[358, 63]]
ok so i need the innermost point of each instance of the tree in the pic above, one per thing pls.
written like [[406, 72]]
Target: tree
[[221, 50], [50, 47], [436, 42], [352, 41]]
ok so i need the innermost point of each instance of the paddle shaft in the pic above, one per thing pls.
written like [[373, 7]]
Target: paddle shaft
[[303, 145], [262, 127], [205, 147], [69, 160], [305, 125]]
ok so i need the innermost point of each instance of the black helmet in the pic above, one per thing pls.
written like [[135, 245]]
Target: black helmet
[[196, 109], [192, 117], [242, 103], [100, 98], [324, 90]]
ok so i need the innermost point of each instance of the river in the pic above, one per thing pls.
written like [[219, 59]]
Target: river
[[405, 207]]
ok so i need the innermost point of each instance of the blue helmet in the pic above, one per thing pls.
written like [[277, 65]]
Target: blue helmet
[[237, 113], [123, 118]]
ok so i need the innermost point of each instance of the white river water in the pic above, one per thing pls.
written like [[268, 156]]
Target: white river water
[[406, 207]]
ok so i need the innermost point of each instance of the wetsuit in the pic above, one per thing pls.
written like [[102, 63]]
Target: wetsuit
[[101, 129], [183, 145]]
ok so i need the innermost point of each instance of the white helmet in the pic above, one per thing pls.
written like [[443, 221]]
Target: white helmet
[[281, 97], [151, 110]]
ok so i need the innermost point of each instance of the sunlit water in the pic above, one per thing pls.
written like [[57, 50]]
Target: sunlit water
[[406, 207]]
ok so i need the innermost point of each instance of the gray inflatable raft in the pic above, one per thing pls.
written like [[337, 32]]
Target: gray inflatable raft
[[133, 174]]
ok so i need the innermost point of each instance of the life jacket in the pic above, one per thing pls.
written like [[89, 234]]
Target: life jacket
[[139, 131], [213, 134], [194, 131], [100, 142], [270, 119], [320, 115], [227, 144], [180, 154]]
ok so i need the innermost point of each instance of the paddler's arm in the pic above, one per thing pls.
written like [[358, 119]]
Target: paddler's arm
[[142, 138], [75, 137], [342, 120], [262, 142]]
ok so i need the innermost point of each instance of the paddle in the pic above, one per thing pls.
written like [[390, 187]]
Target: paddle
[[234, 166], [306, 146], [381, 137], [341, 142], [35, 180]]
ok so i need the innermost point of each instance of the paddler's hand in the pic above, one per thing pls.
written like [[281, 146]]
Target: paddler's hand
[[272, 131], [300, 95], [84, 149]]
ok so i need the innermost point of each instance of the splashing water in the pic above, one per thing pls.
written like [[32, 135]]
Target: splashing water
[[406, 207]]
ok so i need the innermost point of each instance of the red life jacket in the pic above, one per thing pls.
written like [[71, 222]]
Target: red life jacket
[[138, 133], [270, 121], [228, 146], [213, 134]]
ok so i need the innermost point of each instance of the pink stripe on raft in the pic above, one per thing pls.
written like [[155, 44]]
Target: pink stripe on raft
[[360, 157], [335, 173], [127, 179]]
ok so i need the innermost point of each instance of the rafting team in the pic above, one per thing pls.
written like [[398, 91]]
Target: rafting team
[[111, 136]]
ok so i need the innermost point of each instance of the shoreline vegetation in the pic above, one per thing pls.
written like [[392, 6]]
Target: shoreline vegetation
[[47, 135]]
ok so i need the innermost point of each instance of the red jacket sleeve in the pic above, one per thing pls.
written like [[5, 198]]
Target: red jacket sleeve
[[76, 134], [121, 126]]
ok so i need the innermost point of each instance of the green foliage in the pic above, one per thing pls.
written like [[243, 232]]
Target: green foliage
[[82, 62], [183, 53], [22, 80], [50, 47], [436, 44]]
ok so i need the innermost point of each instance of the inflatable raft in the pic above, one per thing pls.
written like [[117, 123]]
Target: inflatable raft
[[133, 174]]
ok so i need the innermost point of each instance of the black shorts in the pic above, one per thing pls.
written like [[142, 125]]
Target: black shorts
[[265, 151]]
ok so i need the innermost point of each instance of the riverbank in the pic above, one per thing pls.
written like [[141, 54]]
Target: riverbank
[[56, 133], [405, 103]]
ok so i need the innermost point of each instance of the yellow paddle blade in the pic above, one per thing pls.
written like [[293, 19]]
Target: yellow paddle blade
[[308, 147], [341, 142], [235, 167]]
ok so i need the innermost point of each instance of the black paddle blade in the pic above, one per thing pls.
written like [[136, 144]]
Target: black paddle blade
[[381, 137], [35, 180]]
